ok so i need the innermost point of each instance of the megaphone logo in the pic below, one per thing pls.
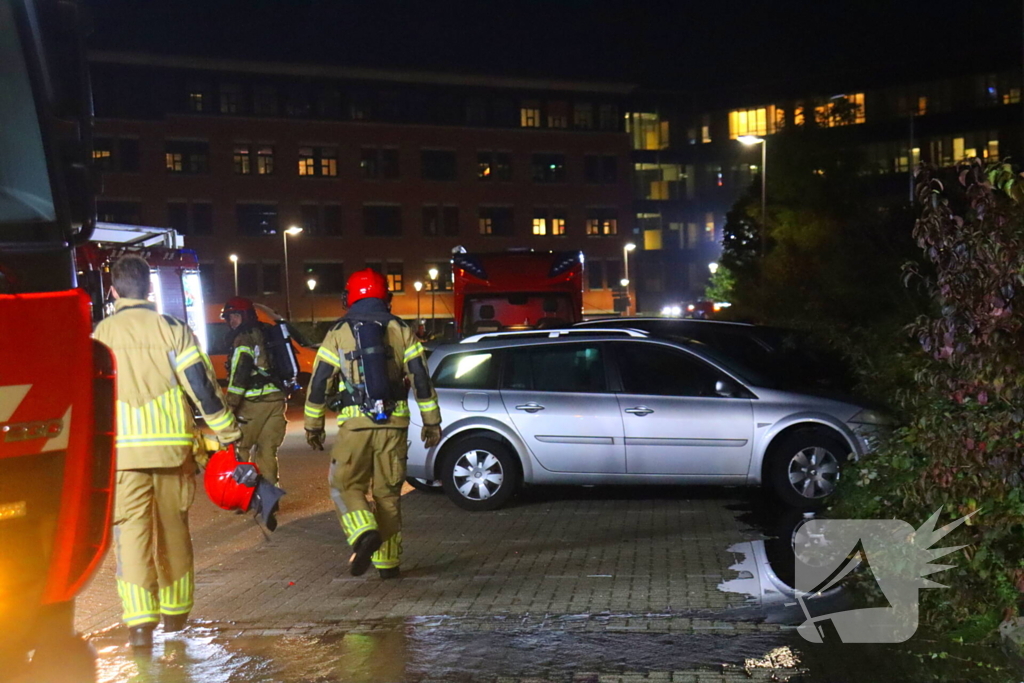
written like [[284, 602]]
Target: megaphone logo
[[897, 555]]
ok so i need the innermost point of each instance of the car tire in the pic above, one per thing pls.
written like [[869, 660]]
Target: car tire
[[425, 485], [479, 474], [804, 468]]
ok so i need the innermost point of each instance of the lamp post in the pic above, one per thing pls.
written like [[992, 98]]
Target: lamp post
[[755, 140], [294, 230], [626, 248], [311, 283], [713, 267], [417, 286], [234, 262], [433, 298]]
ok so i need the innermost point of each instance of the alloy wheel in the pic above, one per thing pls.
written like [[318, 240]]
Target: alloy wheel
[[814, 472], [478, 474]]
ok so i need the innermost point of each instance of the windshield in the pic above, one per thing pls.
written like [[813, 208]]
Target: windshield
[[26, 198], [517, 311]]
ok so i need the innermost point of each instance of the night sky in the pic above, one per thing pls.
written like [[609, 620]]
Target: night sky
[[677, 45]]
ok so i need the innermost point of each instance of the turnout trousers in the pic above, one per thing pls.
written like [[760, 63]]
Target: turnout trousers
[[263, 426], [152, 543], [370, 461]]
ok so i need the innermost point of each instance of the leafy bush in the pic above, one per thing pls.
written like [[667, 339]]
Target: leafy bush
[[960, 447]]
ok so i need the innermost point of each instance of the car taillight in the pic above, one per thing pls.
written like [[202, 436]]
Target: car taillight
[[84, 533]]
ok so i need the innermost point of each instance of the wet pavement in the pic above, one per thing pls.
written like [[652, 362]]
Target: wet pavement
[[594, 585]]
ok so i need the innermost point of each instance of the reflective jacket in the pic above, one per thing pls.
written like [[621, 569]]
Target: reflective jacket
[[406, 367], [249, 369], [159, 363]]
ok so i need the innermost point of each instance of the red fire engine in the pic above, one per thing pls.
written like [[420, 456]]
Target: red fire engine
[[517, 290], [56, 384]]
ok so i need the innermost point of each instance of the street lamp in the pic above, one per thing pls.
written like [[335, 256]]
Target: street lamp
[[294, 230], [626, 248], [713, 267], [311, 283], [234, 262], [417, 286], [755, 140], [433, 298]]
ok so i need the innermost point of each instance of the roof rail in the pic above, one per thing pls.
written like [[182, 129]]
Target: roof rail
[[555, 334]]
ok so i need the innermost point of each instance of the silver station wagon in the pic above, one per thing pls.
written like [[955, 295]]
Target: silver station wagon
[[615, 406]]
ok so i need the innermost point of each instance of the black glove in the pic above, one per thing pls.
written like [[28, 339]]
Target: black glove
[[315, 439], [246, 474]]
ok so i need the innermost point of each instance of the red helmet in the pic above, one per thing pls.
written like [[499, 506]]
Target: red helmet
[[365, 284], [238, 304], [221, 486]]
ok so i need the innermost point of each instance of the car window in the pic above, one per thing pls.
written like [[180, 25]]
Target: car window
[[216, 339], [467, 371], [556, 367], [662, 371]]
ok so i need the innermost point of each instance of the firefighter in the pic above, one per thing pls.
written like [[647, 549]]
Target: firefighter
[[257, 401], [370, 452], [160, 368]]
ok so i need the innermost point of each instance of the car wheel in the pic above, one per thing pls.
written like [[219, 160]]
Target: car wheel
[[427, 485], [804, 468], [479, 474]]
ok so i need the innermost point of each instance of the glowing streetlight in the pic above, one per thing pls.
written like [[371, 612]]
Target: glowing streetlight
[[713, 267], [234, 263], [294, 230], [418, 286], [755, 140], [433, 273], [626, 248], [311, 283]]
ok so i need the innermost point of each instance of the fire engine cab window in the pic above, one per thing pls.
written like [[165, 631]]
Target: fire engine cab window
[[657, 370], [576, 368], [25, 193], [467, 371]]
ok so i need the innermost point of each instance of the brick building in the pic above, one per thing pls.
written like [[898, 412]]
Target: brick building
[[379, 168]]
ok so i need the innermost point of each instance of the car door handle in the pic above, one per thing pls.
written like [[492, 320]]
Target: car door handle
[[639, 410], [530, 407]]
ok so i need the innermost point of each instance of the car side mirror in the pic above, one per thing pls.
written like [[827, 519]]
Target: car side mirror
[[727, 388]]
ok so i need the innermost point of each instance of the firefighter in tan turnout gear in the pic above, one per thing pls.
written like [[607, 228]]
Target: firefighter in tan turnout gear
[[374, 357], [257, 401], [160, 368]]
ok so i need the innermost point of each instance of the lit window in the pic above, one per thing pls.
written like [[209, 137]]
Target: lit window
[[242, 160], [307, 164], [529, 115], [197, 100], [922, 105], [759, 121], [558, 115], [705, 129], [265, 160], [102, 159], [798, 116], [841, 110], [647, 130], [174, 162], [540, 223], [486, 225], [396, 276], [709, 227], [992, 152], [328, 162], [958, 149], [602, 222], [558, 225], [652, 240]]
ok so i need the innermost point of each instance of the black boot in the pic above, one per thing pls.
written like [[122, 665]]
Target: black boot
[[141, 637], [174, 622], [389, 573], [364, 547]]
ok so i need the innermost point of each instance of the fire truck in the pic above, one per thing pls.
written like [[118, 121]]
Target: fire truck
[[516, 290], [56, 384], [174, 271]]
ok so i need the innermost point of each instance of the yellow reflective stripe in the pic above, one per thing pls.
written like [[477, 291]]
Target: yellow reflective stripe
[[427, 405], [178, 597], [356, 523], [236, 390], [401, 409], [328, 357], [188, 357], [140, 605], [390, 553], [219, 423], [265, 390], [314, 411], [414, 350], [165, 414]]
